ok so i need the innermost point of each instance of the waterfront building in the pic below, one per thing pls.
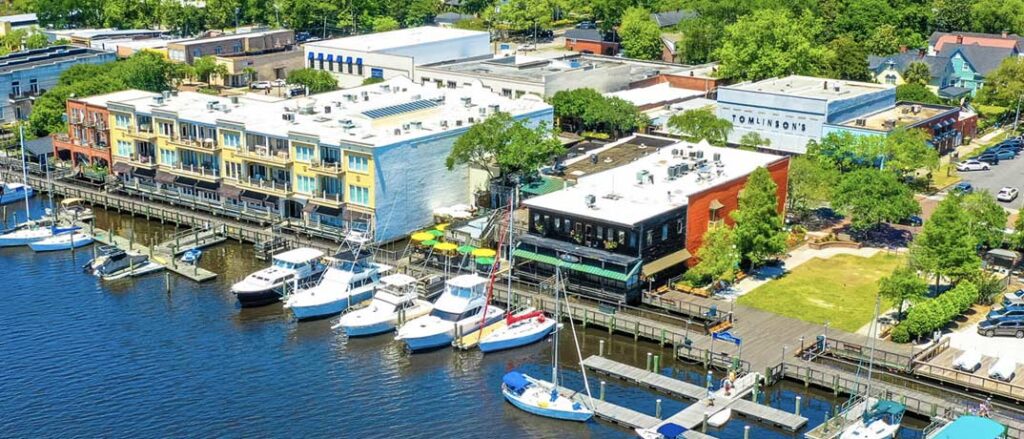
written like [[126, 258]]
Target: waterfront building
[[394, 53], [27, 74], [367, 157], [637, 213], [86, 145], [251, 56]]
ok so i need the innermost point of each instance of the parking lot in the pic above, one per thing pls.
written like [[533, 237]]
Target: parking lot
[[968, 339], [1006, 173]]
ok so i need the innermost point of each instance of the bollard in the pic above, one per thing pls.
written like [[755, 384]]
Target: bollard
[[657, 408], [746, 432], [798, 406], [657, 364], [167, 281], [704, 425], [601, 397], [636, 331], [600, 348], [650, 361]]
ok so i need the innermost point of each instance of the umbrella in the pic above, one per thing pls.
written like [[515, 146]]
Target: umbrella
[[484, 253], [441, 227], [444, 246], [466, 249], [485, 261], [421, 236], [429, 243], [435, 233]]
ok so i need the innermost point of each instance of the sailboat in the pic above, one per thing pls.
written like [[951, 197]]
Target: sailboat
[[544, 398], [29, 231], [526, 327], [881, 418]]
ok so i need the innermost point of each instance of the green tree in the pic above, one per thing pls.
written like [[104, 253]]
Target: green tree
[[953, 15], [222, 14], [146, 70], [945, 247], [752, 141], [700, 38], [884, 40], [181, 18], [640, 35], [985, 218], [372, 80], [585, 109], [1005, 84], [717, 258], [204, 67], [511, 145], [907, 150], [917, 73], [608, 13], [917, 93], [384, 24], [759, 233], [421, 12], [846, 151], [850, 61], [810, 183], [316, 81], [771, 42], [995, 16], [861, 17], [871, 196], [701, 123], [903, 285], [1017, 238], [522, 15], [36, 40], [130, 14]]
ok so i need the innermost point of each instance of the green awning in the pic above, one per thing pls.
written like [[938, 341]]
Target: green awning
[[576, 266]]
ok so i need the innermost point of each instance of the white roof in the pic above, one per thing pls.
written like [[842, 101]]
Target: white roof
[[810, 87], [654, 94], [621, 199], [101, 100], [299, 255], [398, 280], [18, 18], [148, 43], [385, 115], [382, 41], [466, 281]]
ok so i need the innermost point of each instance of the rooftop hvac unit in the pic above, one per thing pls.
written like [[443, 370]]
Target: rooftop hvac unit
[[717, 156], [467, 101], [591, 200], [675, 152], [700, 154], [385, 88], [327, 109], [458, 122], [234, 100], [444, 124], [158, 100], [290, 117], [691, 154], [166, 94], [174, 93], [472, 120], [417, 125], [210, 105], [405, 127], [346, 123], [415, 97], [673, 172], [398, 131], [916, 108], [483, 111], [684, 168]]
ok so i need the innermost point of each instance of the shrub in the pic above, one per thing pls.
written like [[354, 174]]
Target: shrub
[[931, 315], [900, 334]]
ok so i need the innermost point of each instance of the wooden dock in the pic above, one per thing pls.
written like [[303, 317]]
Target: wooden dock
[[645, 378], [625, 417], [182, 242], [192, 272], [470, 341]]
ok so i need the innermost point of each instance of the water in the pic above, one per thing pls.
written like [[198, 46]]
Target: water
[[86, 358]]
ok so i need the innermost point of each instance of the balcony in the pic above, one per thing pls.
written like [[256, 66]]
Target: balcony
[[262, 155], [24, 96], [66, 141], [266, 186], [328, 198], [142, 161], [326, 168], [143, 134], [193, 144], [201, 172]]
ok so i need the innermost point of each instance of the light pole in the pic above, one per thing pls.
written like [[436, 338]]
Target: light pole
[[1016, 117]]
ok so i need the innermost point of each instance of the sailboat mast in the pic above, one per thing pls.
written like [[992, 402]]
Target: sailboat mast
[[24, 170], [872, 332], [558, 320]]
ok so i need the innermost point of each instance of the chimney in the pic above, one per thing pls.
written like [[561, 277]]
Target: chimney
[[903, 48], [922, 52], [959, 39]]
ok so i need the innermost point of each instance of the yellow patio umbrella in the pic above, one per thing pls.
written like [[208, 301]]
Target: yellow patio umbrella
[[421, 236], [441, 227], [445, 247], [484, 253]]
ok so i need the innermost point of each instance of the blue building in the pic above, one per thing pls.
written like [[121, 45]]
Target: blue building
[[27, 74]]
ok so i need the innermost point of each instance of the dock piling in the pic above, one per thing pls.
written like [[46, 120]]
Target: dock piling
[[797, 411], [657, 364], [167, 281], [650, 361], [657, 408], [746, 432], [704, 425], [600, 348], [601, 397]]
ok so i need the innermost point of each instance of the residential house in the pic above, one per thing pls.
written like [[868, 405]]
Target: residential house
[[592, 41]]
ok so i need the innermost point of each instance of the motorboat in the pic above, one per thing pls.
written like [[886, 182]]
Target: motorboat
[[74, 209], [192, 256], [63, 241], [719, 419], [14, 192], [526, 327], [101, 254], [969, 427], [28, 235], [542, 398], [459, 311], [668, 430], [349, 279], [291, 270], [112, 263], [395, 301]]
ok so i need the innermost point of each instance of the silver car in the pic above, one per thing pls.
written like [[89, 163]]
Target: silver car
[[1007, 194]]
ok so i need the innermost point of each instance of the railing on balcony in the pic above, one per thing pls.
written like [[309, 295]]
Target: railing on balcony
[[205, 171], [25, 95], [64, 138], [260, 183], [140, 132], [207, 144], [335, 197], [262, 152], [143, 159], [331, 167]]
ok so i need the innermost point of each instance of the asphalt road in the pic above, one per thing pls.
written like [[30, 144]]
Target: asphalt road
[[1006, 173]]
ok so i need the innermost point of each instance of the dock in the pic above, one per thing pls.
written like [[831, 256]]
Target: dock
[[472, 339], [192, 272], [200, 238], [625, 417]]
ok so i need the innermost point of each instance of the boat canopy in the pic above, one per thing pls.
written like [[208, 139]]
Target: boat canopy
[[671, 431], [884, 409], [516, 382], [972, 427]]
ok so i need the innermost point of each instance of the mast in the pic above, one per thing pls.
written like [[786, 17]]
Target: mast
[[872, 332], [494, 271], [24, 170], [558, 320]]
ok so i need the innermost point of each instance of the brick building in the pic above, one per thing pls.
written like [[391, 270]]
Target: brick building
[[591, 41], [86, 146]]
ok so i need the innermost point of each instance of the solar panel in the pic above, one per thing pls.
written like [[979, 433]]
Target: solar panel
[[393, 110]]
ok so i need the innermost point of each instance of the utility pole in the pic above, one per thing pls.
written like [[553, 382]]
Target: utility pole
[[324, 36], [1016, 118]]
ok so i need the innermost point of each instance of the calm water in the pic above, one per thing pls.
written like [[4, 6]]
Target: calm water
[[86, 358]]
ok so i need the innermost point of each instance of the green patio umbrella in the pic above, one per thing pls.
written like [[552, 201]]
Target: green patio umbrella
[[463, 249]]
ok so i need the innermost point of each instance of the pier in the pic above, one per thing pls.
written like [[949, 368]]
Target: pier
[[192, 272]]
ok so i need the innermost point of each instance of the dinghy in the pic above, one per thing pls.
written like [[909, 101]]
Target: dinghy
[[719, 419], [192, 256]]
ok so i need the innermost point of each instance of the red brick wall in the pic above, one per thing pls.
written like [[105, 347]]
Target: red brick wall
[[595, 47], [676, 81], [968, 126], [84, 144], [698, 211]]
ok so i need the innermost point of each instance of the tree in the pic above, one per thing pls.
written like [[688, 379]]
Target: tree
[[953, 15], [1005, 84], [1017, 239], [640, 35], [752, 141], [901, 286], [985, 218], [916, 93], [222, 14], [36, 40], [701, 123], [700, 38], [810, 183], [315, 81], [860, 17], [759, 234], [421, 12], [850, 61], [522, 15], [917, 72], [871, 196], [945, 246], [907, 150], [608, 12], [771, 42], [995, 16], [384, 24], [586, 109], [204, 67], [884, 40], [717, 258], [846, 151], [511, 145]]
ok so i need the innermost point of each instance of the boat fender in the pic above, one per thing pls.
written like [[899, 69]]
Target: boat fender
[[577, 406], [542, 404]]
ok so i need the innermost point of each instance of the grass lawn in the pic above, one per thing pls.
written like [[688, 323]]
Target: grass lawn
[[840, 290], [940, 180]]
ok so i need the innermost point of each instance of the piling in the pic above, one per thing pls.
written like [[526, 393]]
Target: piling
[[650, 361], [753, 393], [657, 408], [600, 348], [167, 281], [662, 344], [704, 425], [746, 432], [636, 331], [797, 411], [657, 364], [601, 394]]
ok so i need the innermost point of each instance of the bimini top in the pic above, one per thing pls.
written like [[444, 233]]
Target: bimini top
[[515, 381], [398, 280], [972, 427], [299, 255], [671, 430]]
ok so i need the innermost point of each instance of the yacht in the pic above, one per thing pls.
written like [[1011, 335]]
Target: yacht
[[112, 263], [349, 280], [29, 234], [290, 270], [13, 192], [458, 312], [396, 300]]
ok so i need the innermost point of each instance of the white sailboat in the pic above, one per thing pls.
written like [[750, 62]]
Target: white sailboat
[[526, 327], [881, 418], [64, 241], [395, 301]]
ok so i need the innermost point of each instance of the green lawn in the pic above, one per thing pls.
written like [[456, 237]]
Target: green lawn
[[840, 290]]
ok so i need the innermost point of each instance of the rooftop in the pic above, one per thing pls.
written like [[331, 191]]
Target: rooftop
[[641, 188], [536, 67], [810, 87], [383, 41], [983, 59], [28, 59], [148, 43], [19, 18], [229, 37], [902, 115], [654, 94], [374, 115], [117, 96], [102, 33]]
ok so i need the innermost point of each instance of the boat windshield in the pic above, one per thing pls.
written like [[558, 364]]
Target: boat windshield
[[354, 267], [462, 292], [444, 315], [284, 264]]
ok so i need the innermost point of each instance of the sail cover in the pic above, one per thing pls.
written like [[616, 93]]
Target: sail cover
[[516, 382]]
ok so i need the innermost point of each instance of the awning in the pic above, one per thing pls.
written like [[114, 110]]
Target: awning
[[309, 208], [121, 168], [164, 177], [253, 196], [575, 266], [144, 172], [229, 191], [715, 204], [328, 211], [272, 199], [658, 265], [207, 186], [185, 181]]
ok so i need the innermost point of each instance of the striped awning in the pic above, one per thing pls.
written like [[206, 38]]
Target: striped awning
[[575, 266]]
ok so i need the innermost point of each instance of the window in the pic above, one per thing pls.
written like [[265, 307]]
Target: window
[[15, 88], [358, 164], [330, 155], [217, 50], [233, 170], [331, 185], [664, 232], [680, 223], [236, 48], [649, 241], [124, 148], [506, 92], [197, 52], [168, 157], [379, 73], [305, 184], [890, 79], [166, 129], [303, 153], [33, 87], [359, 195], [232, 140], [122, 120]]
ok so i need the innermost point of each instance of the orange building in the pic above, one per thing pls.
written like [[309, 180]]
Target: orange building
[[87, 142]]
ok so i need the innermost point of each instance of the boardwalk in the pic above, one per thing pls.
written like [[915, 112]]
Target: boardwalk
[[189, 271]]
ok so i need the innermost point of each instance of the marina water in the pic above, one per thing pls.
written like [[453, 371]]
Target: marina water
[[85, 358]]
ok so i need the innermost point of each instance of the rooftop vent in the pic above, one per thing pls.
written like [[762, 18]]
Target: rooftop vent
[[327, 109], [591, 201], [717, 157], [346, 123], [158, 100], [210, 105], [495, 108], [467, 101], [166, 94], [234, 100], [288, 117]]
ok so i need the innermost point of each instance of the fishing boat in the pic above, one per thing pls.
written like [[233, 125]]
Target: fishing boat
[[395, 301], [14, 192], [28, 235], [461, 310], [349, 280], [74, 209], [63, 241], [545, 398], [112, 263], [291, 269], [526, 327], [191, 256], [968, 427], [101, 255]]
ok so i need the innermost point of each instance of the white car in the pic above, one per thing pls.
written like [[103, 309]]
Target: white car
[[972, 165], [260, 85], [278, 83], [1007, 194]]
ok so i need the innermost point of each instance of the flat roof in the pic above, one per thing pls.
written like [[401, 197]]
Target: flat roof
[[373, 115], [810, 87], [382, 41], [653, 94], [619, 196], [123, 95], [28, 59], [229, 37], [108, 32], [536, 67], [148, 43], [902, 115], [19, 18]]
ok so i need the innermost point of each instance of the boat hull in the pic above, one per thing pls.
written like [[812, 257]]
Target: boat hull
[[17, 241], [369, 330], [14, 197], [44, 246], [500, 345], [329, 309], [577, 416], [429, 342], [250, 299]]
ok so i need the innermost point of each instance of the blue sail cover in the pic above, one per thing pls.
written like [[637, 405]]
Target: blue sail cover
[[516, 382], [727, 337], [61, 230], [671, 431]]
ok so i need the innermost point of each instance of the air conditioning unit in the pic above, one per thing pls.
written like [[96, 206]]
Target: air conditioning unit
[[591, 200], [234, 100], [158, 100], [864, 122], [289, 117], [327, 109], [717, 156]]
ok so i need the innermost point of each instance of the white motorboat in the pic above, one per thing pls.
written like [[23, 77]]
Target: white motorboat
[[291, 269], [395, 301], [349, 280], [63, 241], [526, 327], [14, 192], [459, 311], [112, 263], [74, 209]]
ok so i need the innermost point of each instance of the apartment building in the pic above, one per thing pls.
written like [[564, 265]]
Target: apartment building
[[27, 74], [86, 145]]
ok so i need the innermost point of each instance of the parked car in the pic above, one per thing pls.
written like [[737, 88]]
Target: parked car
[[1007, 194], [912, 220], [1015, 311], [586, 25], [972, 165], [994, 327], [988, 157], [1002, 153], [302, 36], [1014, 298], [260, 85], [963, 187], [278, 83]]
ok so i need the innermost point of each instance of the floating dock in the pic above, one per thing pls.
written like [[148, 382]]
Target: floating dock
[[470, 341], [192, 272]]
